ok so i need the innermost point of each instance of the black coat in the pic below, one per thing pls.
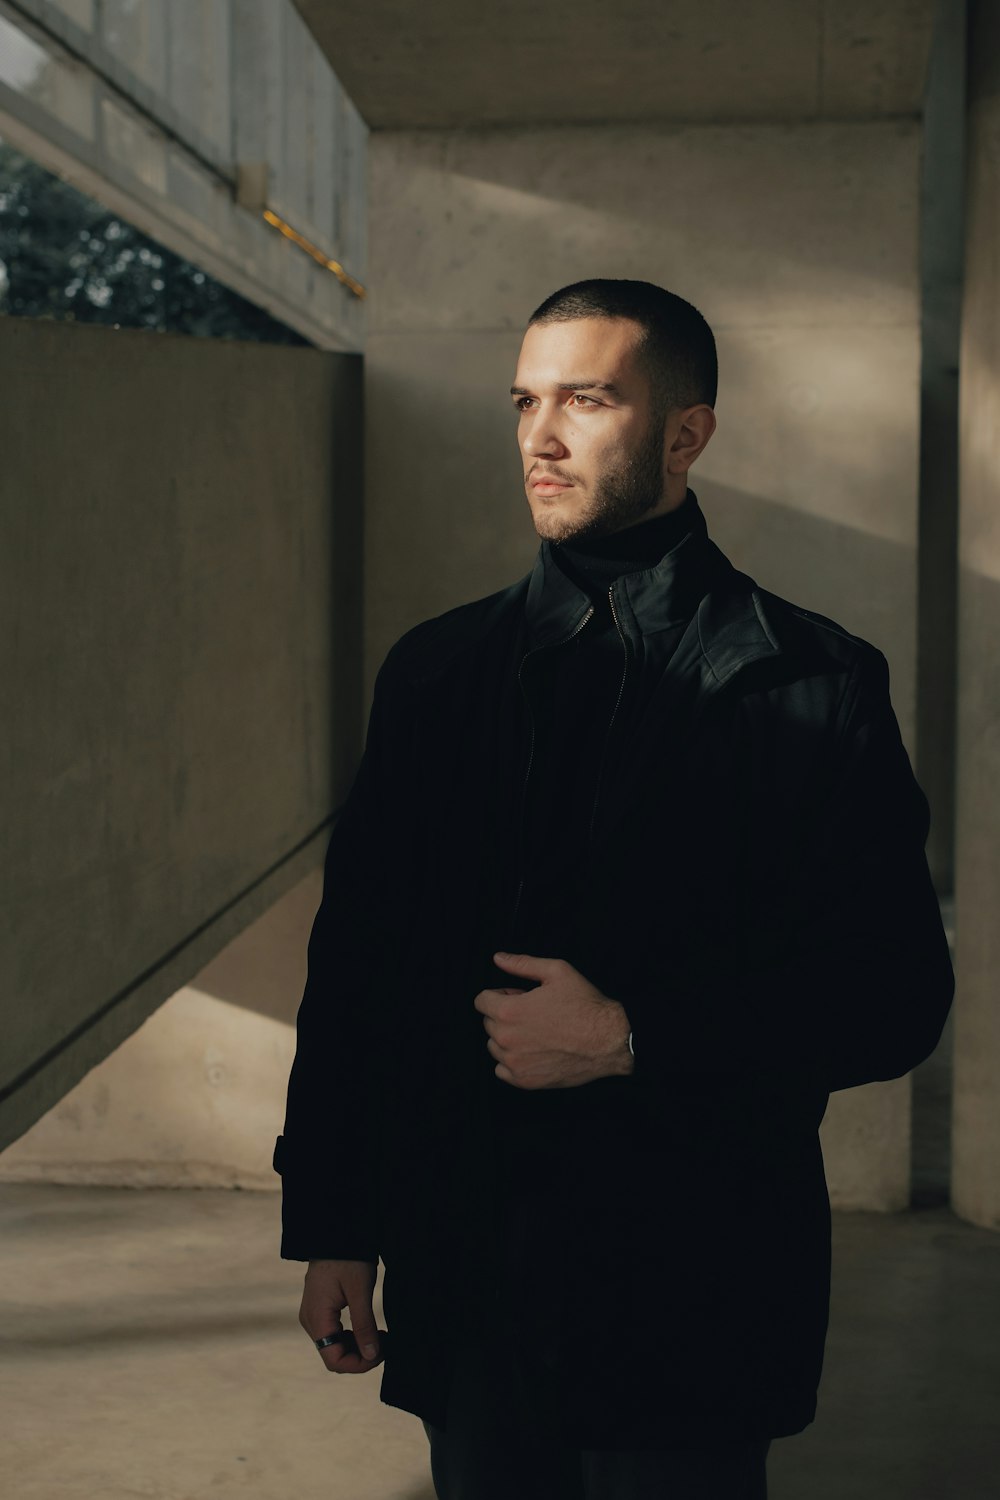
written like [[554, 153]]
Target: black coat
[[753, 889]]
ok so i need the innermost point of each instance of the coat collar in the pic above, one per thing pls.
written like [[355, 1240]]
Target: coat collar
[[694, 581]]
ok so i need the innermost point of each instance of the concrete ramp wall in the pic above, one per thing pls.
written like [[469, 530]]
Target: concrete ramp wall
[[180, 692]]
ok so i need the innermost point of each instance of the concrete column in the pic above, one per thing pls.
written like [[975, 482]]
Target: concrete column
[[976, 1100]]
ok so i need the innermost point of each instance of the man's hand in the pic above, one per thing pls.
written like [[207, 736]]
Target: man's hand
[[332, 1285], [562, 1033]]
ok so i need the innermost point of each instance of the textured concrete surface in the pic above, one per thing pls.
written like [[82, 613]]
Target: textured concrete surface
[[195, 1096], [449, 64], [976, 1173], [149, 1346], [179, 656]]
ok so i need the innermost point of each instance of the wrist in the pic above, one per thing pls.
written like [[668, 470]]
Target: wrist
[[627, 1055], [624, 1056]]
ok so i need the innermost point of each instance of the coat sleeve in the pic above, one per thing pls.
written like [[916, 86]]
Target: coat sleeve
[[859, 984], [327, 1153]]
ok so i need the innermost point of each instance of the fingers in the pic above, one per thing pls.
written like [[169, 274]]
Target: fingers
[[363, 1324], [330, 1286], [332, 1354], [343, 1357]]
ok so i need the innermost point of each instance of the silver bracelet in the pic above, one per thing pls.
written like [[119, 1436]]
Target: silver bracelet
[[630, 1047]]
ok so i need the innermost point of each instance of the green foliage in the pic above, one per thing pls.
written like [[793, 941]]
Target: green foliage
[[63, 255]]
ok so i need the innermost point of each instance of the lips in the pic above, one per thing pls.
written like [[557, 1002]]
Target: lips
[[544, 481]]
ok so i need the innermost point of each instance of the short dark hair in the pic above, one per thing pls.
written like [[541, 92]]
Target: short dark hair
[[677, 347]]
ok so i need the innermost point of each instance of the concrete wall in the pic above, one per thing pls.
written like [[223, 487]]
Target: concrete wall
[[446, 65], [799, 243], [942, 235], [180, 528], [195, 1096], [976, 1112]]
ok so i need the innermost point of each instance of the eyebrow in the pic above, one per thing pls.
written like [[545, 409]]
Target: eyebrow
[[574, 385]]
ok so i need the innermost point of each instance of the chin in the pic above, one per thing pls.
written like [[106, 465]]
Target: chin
[[546, 521], [562, 516], [559, 533]]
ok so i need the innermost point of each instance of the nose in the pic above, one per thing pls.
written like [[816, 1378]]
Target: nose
[[541, 439]]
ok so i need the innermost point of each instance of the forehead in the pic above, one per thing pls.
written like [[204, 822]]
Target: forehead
[[600, 347]]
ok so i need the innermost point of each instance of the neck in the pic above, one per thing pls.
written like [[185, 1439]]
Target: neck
[[594, 563], [643, 542]]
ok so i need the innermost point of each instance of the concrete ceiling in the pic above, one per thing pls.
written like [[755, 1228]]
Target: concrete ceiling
[[455, 63]]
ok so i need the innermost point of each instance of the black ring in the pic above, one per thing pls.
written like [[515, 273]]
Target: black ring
[[329, 1338]]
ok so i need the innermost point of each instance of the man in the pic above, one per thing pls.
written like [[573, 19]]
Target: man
[[631, 877]]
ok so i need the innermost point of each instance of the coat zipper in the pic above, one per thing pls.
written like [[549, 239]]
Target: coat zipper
[[531, 750], [607, 737]]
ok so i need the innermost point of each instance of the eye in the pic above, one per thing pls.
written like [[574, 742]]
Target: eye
[[521, 402]]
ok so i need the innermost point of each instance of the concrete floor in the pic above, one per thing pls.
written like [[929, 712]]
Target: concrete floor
[[149, 1347]]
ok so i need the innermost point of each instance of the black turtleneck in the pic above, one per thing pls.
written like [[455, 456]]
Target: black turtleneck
[[593, 563]]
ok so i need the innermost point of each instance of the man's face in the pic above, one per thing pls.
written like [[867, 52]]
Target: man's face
[[591, 444]]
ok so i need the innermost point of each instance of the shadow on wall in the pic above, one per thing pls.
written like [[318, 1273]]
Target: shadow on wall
[[264, 968], [195, 1096]]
